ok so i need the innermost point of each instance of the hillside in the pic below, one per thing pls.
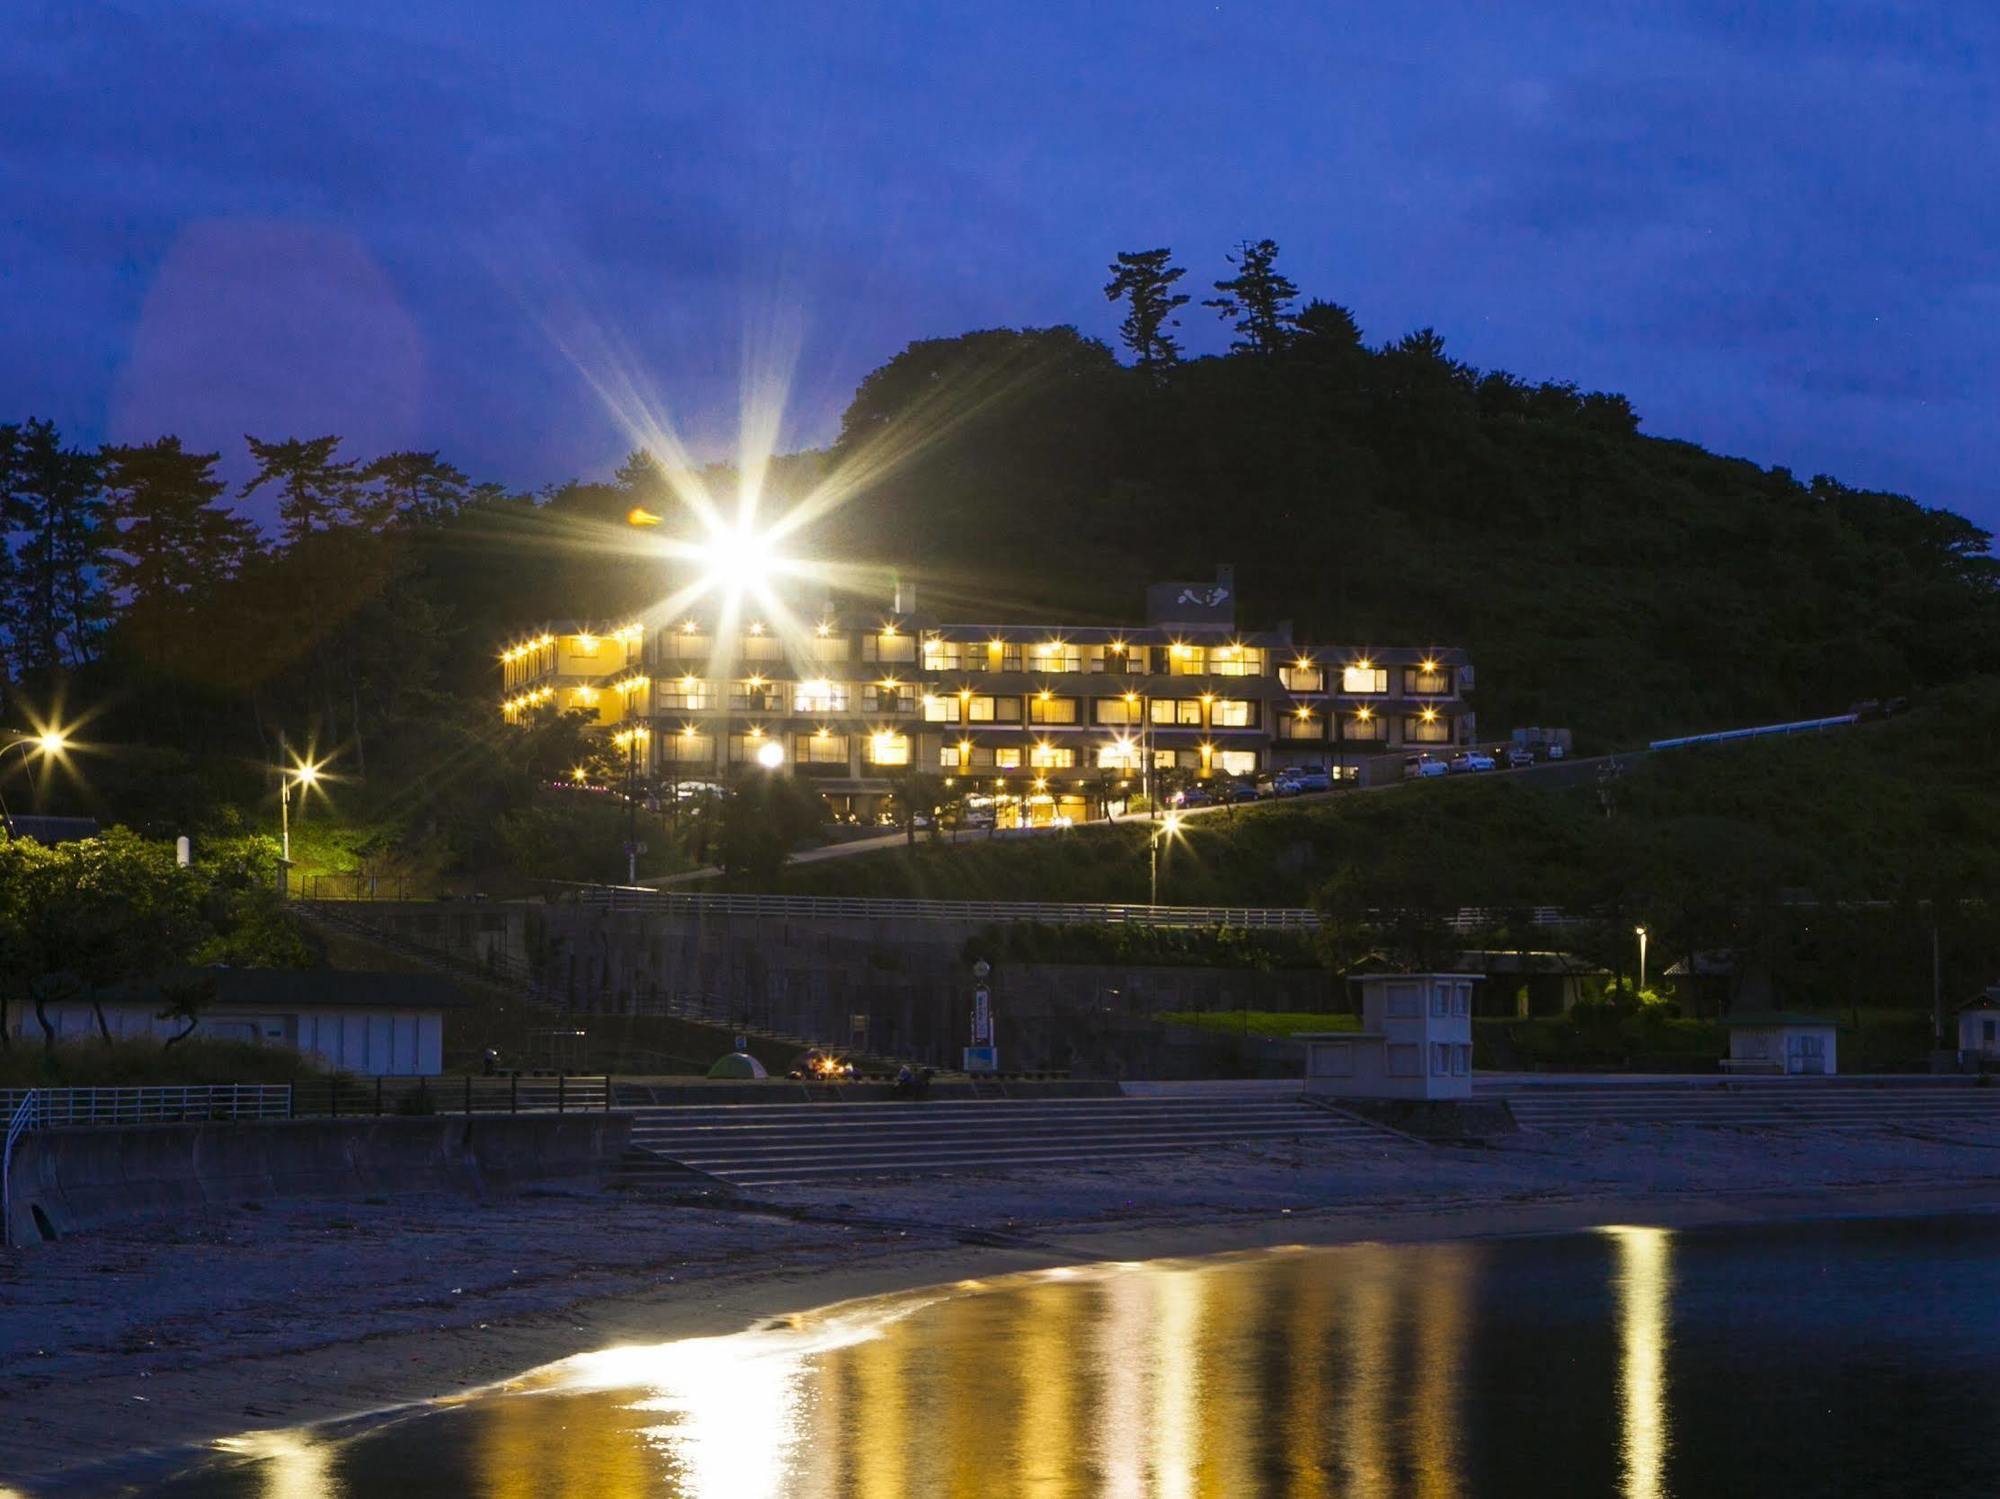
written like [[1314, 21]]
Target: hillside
[[1624, 584], [1818, 855]]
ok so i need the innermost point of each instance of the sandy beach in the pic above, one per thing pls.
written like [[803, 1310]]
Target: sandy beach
[[158, 1337]]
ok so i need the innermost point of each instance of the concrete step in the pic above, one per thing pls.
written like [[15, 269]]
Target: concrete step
[[753, 1145], [1808, 1106]]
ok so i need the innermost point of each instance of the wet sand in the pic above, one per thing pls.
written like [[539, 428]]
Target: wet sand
[[160, 1337]]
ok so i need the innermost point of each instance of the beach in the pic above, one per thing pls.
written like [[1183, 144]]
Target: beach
[[161, 1336]]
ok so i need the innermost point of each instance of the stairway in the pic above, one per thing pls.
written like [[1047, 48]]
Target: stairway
[[763, 1145], [1774, 1103]]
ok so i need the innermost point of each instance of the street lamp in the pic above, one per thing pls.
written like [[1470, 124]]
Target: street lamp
[[770, 754], [1169, 827], [48, 742], [1642, 957], [303, 775]]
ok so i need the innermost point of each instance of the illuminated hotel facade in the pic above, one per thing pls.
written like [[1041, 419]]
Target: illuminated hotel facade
[[1049, 720]]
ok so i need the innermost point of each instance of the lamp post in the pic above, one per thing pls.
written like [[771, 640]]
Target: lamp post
[[48, 742], [301, 775], [1167, 829], [1641, 931]]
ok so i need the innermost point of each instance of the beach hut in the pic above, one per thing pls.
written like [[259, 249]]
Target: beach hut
[[1788, 1042], [1979, 1028], [1415, 1040]]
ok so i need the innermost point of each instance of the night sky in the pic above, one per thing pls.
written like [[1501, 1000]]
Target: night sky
[[1773, 225]]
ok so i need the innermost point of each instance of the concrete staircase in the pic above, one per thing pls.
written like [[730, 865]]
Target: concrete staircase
[[763, 1145], [1743, 1103]]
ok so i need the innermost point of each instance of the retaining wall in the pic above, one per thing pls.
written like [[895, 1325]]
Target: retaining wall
[[86, 1178]]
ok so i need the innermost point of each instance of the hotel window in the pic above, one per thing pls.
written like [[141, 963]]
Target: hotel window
[[940, 709], [982, 755], [763, 648], [683, 692], [1055, 710], [821, 749], [1115, 711], [888, 749], [819, 697], [948, 757], [1233, 713], [1236, 661], [585, 646], [1102, 658], [875, 698], [1292, 726], [1178, 711], [880, 647], [1303, 678], [1187, 660], [826, 648], [1118, 756], [1440, 1059], [1007, 757], [757, 695], [1370, 730], [1055, 656], [743, 747], [1420, 730], [1364, 679], [1420, 683], [993, 655], [992, 710], [1050, 757], [1440, 999], [685, 645], [943, 655], [688, 749], [1236, 762]]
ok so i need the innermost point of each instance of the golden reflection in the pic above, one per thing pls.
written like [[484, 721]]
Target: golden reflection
[[292, 1464], [1645, 1285], [1368, 1406], [1443, 1300]]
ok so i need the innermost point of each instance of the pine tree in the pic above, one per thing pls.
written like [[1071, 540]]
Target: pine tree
[[1145, 280], [57, 606], [176, 544], [315, 493], [1257, 297], [417, 487]]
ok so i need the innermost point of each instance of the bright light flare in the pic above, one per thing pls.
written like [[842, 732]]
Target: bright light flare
[[770, 754], [52, 741]]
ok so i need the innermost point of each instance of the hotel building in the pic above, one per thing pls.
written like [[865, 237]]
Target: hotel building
[[1042, 721]]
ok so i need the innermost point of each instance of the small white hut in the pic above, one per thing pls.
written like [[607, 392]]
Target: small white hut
[[1979, 1028], [1415, 1040], [1789, 1042]]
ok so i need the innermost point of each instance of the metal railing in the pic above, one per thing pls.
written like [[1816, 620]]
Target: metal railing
[[346, 887], [18, 1121], [171, 1103], [1725, 736], [850, 908], [507, 1093]]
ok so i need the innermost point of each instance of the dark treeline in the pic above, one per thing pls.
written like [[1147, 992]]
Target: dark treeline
[[1622, 584], [1627, 585]]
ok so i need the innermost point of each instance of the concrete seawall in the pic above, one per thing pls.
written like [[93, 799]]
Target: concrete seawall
[[69, 1180]]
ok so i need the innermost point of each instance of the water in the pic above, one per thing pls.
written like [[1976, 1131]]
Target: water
[[1823, 1359]]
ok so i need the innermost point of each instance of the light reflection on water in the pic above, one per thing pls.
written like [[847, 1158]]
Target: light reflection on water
[[1446, 1371]]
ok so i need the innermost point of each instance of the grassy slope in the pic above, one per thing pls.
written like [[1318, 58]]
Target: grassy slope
[[1850, 813]]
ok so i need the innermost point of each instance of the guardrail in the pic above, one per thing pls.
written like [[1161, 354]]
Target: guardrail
[[66, 1108], [508, 1093], [18, 1121], [848, 908], [1724, 736]]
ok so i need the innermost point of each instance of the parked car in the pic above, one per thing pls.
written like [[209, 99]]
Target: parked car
[[1311, 778], [1193, 796], [1518, 756], [1424, 767], [1472, 760], [1238, 791], [1279, 783]]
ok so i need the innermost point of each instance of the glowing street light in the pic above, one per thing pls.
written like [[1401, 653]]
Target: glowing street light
[[304, 774], [770, 754], [49, 742], [1641, 931], [1169, 829]]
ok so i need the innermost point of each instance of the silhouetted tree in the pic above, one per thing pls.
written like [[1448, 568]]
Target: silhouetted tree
[[1256, 297], [315, 491], [176, 546], [419, 487], [1145, 281], [56, 605]]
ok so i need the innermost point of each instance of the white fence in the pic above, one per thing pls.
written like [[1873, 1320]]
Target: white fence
[[63, 1108], [1725, 736], [851, 908]]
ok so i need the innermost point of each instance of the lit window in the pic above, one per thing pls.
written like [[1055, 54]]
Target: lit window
[[1364, 678], [888, 749]]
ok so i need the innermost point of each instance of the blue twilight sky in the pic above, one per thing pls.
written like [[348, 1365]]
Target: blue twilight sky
[[477, 227]]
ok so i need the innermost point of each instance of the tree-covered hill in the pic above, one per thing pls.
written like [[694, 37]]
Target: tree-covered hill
[[1623, 584]]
